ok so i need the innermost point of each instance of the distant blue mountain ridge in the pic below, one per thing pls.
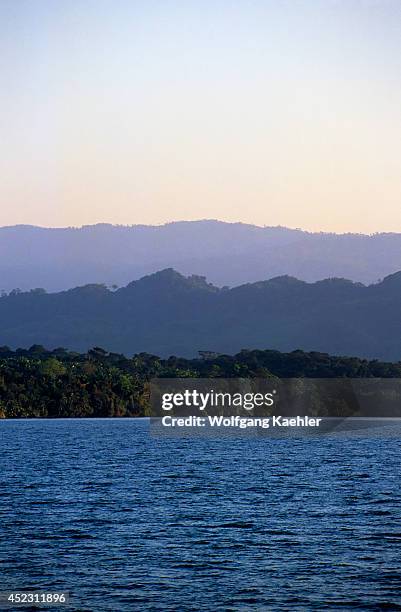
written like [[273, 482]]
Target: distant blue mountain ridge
[[226, 253]]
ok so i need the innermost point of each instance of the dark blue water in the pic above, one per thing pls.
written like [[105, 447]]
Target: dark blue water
[[128, 522]]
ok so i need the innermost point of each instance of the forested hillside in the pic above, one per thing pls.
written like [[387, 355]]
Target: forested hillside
[[54, 384]]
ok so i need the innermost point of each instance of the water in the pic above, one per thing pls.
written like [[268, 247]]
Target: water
[[128, 522]]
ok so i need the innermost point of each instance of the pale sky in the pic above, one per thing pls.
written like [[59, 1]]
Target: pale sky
[[146, 111]]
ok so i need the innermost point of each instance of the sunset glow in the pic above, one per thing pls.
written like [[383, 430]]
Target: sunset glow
[[258, 111]]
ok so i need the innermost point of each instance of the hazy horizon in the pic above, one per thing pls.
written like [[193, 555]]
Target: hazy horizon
[[205, 220], [271, 113]]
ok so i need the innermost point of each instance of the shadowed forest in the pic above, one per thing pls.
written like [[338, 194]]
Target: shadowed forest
[[55, 384]]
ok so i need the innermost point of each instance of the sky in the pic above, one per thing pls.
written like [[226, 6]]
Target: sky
[[270, 112]]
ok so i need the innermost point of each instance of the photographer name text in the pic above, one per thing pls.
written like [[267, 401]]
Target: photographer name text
[[240, 422]]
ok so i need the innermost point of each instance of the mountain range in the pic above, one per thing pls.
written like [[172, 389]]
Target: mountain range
[[226, 253], [167, 313]]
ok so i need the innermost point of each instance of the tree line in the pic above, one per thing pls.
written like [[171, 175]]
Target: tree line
[[36, 382]]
